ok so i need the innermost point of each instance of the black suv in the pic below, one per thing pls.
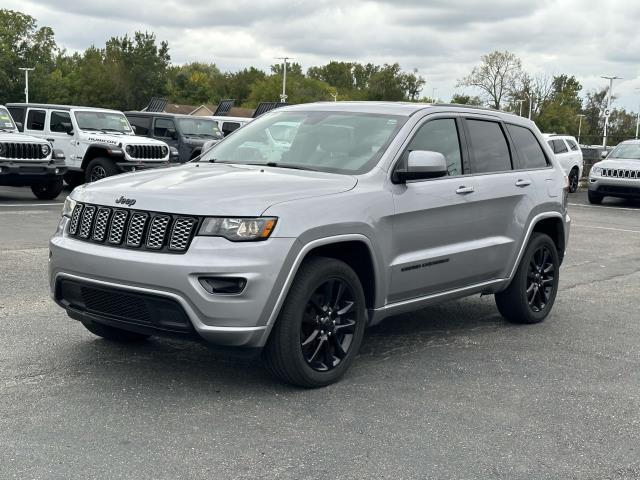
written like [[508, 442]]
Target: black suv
[[186, 133]]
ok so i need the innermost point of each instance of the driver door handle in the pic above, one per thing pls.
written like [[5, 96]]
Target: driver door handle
[[523, 183], [463, 190]]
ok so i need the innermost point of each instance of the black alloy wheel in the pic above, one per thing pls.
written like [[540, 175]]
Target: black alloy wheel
[[573, 180], [328, 325], [541, 277]]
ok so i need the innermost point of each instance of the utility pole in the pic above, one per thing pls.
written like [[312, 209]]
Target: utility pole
[[521, 101], [608, 111], [283, 95], [580, 116], [26, 82]]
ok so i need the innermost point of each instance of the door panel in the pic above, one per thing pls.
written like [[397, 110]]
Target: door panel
[[59, 138]]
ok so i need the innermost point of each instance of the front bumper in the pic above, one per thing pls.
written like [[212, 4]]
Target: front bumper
[[17, 173], [615, 187], [241, 320], [135, 165]]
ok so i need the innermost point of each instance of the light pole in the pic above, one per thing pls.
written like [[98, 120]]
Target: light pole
[[530, 104], [26, 82], [521, 101], [580, 116], [637, 117], [335, 96], [283, 95], [433, 94], [606, 117]]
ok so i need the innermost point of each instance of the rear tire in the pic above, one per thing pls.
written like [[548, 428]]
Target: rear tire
[[48, 191], [532, 292], [73, 179], [594, 198], [574, 180], [100, 168], [114, 334], [320, 327]]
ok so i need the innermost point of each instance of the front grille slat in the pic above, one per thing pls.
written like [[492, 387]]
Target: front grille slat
[[146, 152], [620, 173], [22, 151], [152, 231]]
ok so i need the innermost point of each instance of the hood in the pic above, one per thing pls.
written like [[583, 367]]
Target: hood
[[629, 164], [120, 140], [20, 137], [213, 189]]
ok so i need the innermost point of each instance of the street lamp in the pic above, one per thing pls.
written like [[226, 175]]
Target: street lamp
[[283, 95], [606, 116], [530, 97], [433, 94], [637, 117], [580, 116], [26, 82], [521, 101]]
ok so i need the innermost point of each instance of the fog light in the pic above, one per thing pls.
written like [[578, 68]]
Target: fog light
[[57, 171], [223, 285]]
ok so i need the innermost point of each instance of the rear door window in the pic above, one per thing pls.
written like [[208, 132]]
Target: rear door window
[[559, 146], [489, 147], [573, 145], [36, 119], [529, 150]]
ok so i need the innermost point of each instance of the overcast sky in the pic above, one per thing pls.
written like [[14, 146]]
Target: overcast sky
[[443, 39]]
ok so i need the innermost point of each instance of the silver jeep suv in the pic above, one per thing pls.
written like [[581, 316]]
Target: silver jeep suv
[[291, 249]]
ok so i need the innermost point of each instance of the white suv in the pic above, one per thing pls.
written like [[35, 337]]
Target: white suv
[[97, 142], [568, 153]]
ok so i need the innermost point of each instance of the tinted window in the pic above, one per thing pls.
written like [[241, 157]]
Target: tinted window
[[142, 124], [228, 127], [573, 145], [161, 127], [559, 146], [489, 147], [529, 150], [35, 119], [18, 115], [439, 136], [58, 121]]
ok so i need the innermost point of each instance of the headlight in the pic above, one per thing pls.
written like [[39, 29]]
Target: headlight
[[68, 207], [595, 171], [164, 150], [46, 149], [129, 149], [238, 229]]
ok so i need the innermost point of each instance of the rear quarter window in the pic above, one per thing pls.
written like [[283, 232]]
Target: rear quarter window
[[573, 145], [530, 152], [559, 146]]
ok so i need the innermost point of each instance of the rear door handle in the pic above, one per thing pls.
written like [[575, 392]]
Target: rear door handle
[[463, 190], [523, 183]]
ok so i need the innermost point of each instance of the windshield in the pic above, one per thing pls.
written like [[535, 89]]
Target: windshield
[[102, 121], [338, 142], [200, 127], [629, 151], [6, 122]]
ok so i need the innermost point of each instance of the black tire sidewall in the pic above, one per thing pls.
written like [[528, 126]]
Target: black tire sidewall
[[108, 165], [538, 240], [287, 331], [48, 191], [574, 173]]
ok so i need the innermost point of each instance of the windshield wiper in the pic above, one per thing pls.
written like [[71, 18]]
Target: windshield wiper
[[284, 165]]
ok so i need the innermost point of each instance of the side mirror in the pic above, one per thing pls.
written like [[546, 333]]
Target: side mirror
[[68, 128], [422, 164], [19, 126], [172, 134], [604, 154], [135, 130]]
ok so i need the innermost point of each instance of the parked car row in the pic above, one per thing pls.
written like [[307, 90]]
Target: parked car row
[[569, 155], [95, 143]]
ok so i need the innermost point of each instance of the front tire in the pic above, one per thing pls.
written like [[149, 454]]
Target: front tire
[[48, 191], [594, 198], [532, 292], [100, 168], [320, 327], [574, 180], [113, 334]]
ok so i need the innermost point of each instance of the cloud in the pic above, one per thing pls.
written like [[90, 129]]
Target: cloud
[[443, 39]]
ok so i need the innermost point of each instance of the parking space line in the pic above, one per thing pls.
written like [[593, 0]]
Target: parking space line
[[14, 205], [606, 228], [612, 206]]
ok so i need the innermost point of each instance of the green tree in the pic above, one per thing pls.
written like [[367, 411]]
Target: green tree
[[196, 83], [463, 99], [300, 89], [238, 84], [24, 44]]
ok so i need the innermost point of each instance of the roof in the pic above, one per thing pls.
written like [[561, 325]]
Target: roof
[[389, 108], [144, 113], [52, 106]]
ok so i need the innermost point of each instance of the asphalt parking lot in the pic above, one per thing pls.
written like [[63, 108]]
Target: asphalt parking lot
[[448, 392]]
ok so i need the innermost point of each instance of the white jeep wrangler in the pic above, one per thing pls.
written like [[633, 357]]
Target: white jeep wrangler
[[97, 142], [26, 161]]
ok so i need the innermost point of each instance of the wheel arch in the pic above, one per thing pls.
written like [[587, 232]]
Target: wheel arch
[[96, 151]]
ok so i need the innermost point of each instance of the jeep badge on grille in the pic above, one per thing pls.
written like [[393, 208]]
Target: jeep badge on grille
[[129, 202]]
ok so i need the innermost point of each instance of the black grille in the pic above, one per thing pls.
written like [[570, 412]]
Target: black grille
[[21, 151], [159, 232], [123, 305], [620, 173], [146, 152]]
